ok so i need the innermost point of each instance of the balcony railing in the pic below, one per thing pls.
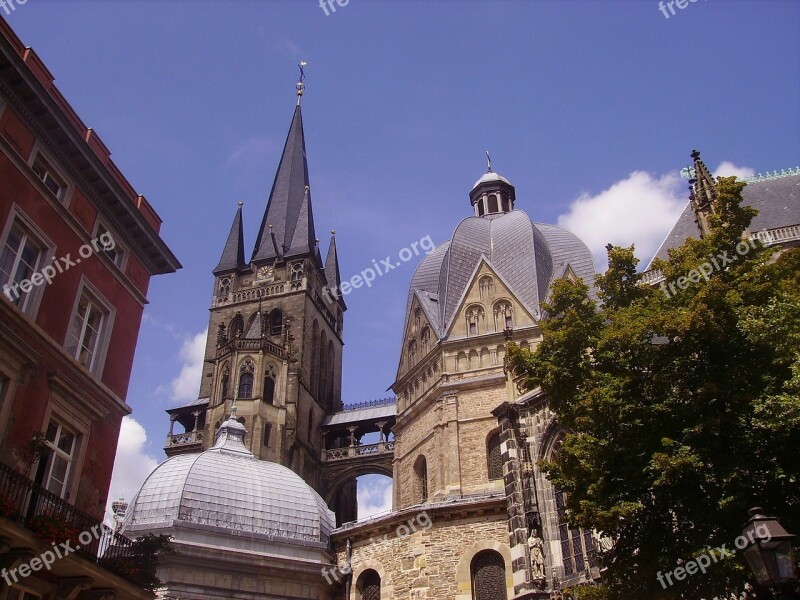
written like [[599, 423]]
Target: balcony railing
[[250, 344], [55, 520], [185, 439], [356, 451]]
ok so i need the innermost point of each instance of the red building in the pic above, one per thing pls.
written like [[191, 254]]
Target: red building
[[77, 249]]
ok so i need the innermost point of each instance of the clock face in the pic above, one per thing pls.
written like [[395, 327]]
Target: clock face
[[265, 272]]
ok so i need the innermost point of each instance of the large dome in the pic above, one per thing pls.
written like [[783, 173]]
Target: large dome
[[226, 488], [528, 256]]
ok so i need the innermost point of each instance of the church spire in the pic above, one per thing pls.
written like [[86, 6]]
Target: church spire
[[233, 253], [288, 210], [703, 193]]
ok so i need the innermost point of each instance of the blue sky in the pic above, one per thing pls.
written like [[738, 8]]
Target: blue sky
[[589, 108]]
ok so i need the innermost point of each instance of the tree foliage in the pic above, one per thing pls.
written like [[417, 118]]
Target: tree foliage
[[682, 410]]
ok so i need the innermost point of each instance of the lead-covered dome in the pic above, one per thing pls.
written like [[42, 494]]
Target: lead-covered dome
[[226, 489]]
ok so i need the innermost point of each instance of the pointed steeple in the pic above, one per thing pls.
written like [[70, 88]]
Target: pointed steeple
[[289, 206], [233, 254], [332, 269], [703, 193]]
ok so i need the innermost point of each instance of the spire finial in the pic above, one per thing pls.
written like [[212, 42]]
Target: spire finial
[[241, 204], [301, 86], [333, 232], [488, 162]]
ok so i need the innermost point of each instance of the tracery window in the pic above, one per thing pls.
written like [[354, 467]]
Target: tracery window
[[503, 316], [486, 286], [475, 315], [224, 286]]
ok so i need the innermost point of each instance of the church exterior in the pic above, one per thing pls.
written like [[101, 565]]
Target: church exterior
[[473, 515]]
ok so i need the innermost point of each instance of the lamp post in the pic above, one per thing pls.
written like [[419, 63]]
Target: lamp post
[[769, 554]]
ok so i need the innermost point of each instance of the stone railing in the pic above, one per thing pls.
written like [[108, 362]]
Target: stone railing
[[255, 293], [185, 439], [356, 451], [247, 344], [370, 403]]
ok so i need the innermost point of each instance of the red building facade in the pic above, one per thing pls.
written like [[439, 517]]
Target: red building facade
[[77, 249]]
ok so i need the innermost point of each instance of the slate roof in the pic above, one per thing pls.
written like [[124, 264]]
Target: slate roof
[[362, 414], [233, 254], [526, 255], [777, 202], [289, 206]]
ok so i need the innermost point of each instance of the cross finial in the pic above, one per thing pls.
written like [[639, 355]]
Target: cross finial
[[488, 162], [301, 86]]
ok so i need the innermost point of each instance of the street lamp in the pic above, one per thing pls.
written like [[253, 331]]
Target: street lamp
[[769, 552]]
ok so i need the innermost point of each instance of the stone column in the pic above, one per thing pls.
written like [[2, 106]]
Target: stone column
[[172, 419]]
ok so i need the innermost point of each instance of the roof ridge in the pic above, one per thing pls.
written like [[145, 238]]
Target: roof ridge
[[774, 175]]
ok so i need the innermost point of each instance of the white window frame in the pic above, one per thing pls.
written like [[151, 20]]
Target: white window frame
[[30, 305], [121, 259], [101, 349], [57, 452], [38, 154]]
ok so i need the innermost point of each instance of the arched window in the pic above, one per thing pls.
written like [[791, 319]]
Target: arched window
[[503, 316], [488, 572], [492, 203], [425, 338], [246, 385], [577, 546], [474, 315], [494, 457], [486, 286], [324, 384], [275, 322], [310, 424], [417, 320], [421, 473], [481, 209], [369, 585], [314, 372], [269, 389], [297, 271], [267, 433], [225, 383], [330, 375], [224, 286], [506, 205], [237, 326], [412, 353]]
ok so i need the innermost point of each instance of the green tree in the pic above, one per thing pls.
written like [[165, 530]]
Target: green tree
[[681, 410]]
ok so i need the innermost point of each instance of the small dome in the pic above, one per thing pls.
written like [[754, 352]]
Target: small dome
[[490, 177], [228, 488]]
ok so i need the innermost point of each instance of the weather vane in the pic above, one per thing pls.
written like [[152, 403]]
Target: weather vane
[[488, 162], [301, 86]]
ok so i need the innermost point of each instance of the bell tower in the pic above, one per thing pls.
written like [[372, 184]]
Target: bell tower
[[275, 338]]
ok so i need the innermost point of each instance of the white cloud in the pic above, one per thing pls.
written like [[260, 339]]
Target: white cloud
[[727, 169], [186, 385], [374, 494], [638, 210], [132, 464]]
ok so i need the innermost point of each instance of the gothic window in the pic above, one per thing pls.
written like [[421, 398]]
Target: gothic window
[[269, 389], [225, 383], [224, 286], [370, 585], [494, 457], [310, 424], [486, 286], [475, 315], [314, 371], [324, 384], [503, 316], [417, 320], [267, 433], [297, 271], [275, 322], [421, 472], [331, 370], [237, 326], [506, 205], [577, 545], [488, 571], [246, 385], [492, 203]]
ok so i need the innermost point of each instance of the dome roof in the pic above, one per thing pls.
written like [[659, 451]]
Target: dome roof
[[528, 256], [489, 178], [227, 488]]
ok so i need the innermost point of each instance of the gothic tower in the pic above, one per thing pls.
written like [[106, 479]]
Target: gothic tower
[[274, 336]]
